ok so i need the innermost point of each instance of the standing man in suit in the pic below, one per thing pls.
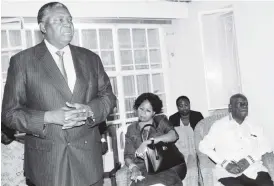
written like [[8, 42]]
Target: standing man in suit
[[57, 93], [184, 122]]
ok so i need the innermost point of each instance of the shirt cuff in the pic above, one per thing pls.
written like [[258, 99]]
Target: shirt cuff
[[225, 163], [250, 159], [90, 114]]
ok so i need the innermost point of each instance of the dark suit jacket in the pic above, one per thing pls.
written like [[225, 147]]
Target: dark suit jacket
[[56, 157], [194, 118]]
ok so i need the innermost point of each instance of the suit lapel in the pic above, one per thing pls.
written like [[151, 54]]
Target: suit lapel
[[191, 119], [178, 119], [81, 80], [52, 71]]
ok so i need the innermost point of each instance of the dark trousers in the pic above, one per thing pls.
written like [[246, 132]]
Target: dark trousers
[[99, 183], [263, 179]]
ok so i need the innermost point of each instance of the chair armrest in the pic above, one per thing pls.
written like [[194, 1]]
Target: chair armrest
[[111, 129], [112, 173], [268, 162]]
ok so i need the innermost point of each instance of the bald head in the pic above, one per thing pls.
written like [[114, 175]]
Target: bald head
[[238, 107]]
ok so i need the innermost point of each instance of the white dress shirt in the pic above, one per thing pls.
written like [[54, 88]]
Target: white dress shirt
[[229, 141], [68, 62]]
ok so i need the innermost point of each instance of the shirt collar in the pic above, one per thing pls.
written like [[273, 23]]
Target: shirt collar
[[52, 49], [245, 122]]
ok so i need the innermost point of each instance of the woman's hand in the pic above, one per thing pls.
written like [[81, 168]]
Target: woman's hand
[[136, 174], [140, 152]]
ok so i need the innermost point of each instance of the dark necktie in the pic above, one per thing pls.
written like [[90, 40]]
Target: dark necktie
[[61, 64]]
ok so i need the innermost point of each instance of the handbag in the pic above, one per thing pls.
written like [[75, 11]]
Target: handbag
[[161, 156]]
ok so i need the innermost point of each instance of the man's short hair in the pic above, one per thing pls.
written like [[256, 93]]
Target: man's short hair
[[233, 97], [45, 9], [182, 98]]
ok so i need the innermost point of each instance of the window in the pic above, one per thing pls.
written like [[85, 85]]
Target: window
[[131, 55], [220, 57], [11, 43]]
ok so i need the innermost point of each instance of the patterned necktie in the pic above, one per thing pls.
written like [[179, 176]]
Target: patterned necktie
[[61, 64]]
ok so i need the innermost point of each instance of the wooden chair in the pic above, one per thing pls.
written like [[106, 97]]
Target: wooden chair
[[113, 150]]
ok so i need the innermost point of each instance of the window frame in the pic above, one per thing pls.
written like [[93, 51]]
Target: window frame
[[118, 73]]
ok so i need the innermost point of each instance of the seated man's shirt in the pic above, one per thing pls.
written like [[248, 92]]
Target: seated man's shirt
[[230, 141]]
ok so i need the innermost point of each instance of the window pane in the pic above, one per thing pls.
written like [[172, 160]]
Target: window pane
[[15, 38], [38, 37], [4, 39], [140, 56], [108, 60], [75, 39], [4, 77], [106, 41], [124, 38], [163, 98], [13, 52], [96, 52], [29, 38], [155, 56], [158, 83], [115, 114], [126, 59], [143, 83], [129, 86], [5, 61], [139, 38], [89, 39], [153, 38], [129, 103], [113, 81]]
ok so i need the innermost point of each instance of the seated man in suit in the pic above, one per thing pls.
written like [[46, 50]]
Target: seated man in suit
[[184, 122], [236, 146]]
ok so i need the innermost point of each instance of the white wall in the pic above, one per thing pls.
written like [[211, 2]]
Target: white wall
[[254, 23], [100, 9]]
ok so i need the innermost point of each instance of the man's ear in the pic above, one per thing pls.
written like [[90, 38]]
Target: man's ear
[[42, 28]]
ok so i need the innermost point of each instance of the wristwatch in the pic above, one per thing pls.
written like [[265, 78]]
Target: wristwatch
[[103, 140]]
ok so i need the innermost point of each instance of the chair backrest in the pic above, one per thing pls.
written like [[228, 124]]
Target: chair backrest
[[121, 132], [205, 164], [111, 158]]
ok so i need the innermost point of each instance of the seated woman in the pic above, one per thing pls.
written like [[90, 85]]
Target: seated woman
[[147, 106]]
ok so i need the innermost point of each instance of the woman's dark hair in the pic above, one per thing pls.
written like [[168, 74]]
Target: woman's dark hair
[[182, 98], [154, 100]]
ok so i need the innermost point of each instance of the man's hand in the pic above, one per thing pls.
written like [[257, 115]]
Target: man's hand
[[62, 116], [78, 119], [233, 168], [243, 164], [72, 115]]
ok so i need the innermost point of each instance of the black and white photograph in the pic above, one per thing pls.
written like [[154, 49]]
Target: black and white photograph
[[137, 93]]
